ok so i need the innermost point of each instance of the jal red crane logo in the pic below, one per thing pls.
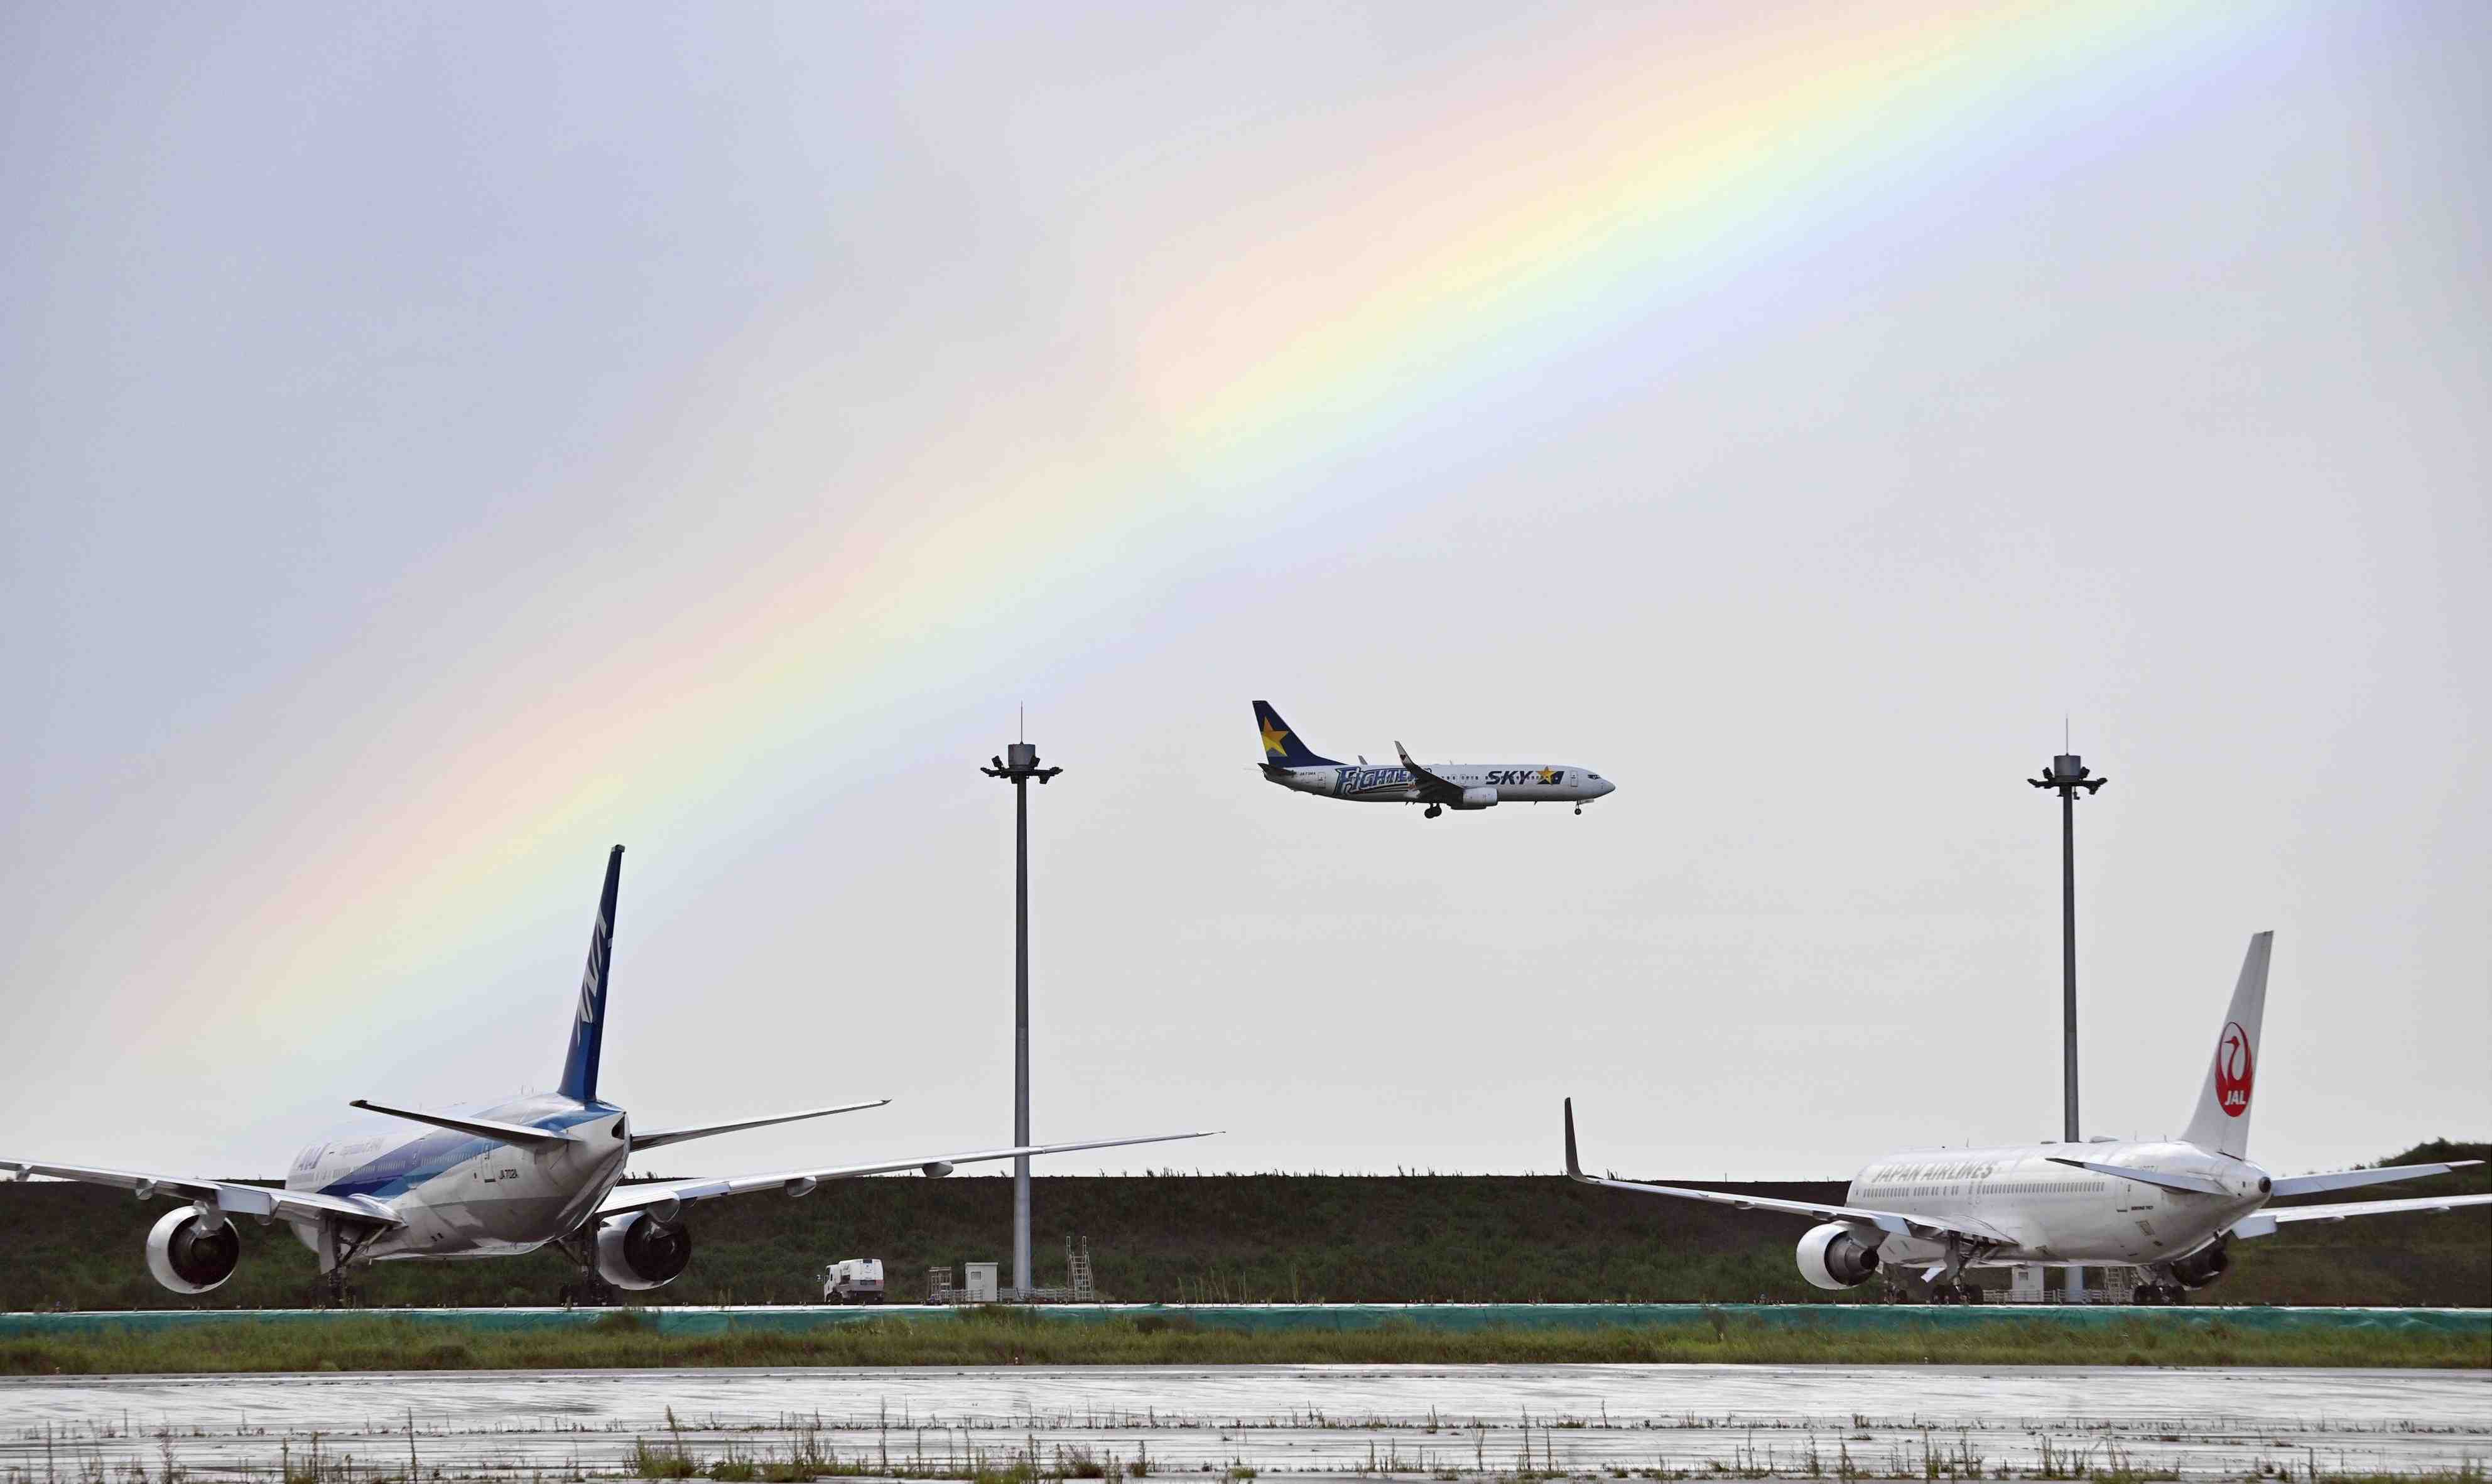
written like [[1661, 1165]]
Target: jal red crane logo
[[2234, 1069]]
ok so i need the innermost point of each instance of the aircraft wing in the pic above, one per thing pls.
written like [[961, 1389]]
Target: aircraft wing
[[667, 1136], [668, 1196], [1428, 784], [2264, 1223], [1895, 1222], [227, 1196]]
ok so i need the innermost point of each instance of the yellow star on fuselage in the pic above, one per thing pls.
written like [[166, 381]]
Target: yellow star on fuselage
[[1548, 775], [1273, 736]]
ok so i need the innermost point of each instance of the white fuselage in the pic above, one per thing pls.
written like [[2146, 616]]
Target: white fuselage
[[464, 1195], [1533, 783], [2054, 1214]]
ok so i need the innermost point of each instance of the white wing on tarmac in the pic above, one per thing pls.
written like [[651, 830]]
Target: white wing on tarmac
[[2263, 1222], [667, 1136], [1895, 1222], [667, 1195], [226, 1196]]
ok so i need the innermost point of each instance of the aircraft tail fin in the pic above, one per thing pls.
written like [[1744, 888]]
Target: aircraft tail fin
[[2220, 1119], [588, 1019], [1281, 745]]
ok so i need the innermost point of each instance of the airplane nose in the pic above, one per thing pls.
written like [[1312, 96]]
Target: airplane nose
[[1607, 789]]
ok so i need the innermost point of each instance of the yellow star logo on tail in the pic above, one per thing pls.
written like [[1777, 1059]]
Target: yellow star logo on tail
[[1273, 736]]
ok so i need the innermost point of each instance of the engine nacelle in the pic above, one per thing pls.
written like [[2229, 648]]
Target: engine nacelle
[[190, 1253], [1834, 1257], [2203, 1266], [1478, 798], [638, 1251]]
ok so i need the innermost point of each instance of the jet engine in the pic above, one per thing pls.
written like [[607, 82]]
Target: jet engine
[[638, 1251], [1834, 1257], [2203, 1266], [191, 1253], [1478, 798]]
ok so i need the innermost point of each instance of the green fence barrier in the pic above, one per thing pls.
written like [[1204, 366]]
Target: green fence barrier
[[1848, 1319]]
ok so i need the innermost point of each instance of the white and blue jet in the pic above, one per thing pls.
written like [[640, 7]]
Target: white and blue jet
[[1461, 786], [492, 1180]]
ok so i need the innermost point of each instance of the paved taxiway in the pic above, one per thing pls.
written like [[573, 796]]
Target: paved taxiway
[[1277, 1418]]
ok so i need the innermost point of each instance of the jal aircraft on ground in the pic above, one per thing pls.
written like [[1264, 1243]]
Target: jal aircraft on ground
[[509, 1177], [1288, 761], [2170, 1207]]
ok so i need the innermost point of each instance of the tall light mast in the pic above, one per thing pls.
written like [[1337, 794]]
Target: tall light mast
[[1018, 771]]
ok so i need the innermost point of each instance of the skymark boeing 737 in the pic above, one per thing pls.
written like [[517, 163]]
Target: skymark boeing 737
[[2173, 1207], [1288, 761], [508, 1177]]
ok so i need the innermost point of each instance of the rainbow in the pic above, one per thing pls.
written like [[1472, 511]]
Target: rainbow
[[1697, 171]]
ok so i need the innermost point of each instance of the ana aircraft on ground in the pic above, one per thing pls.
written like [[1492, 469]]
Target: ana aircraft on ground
[[508, 1177], [1462, 785], [2170, 1207]]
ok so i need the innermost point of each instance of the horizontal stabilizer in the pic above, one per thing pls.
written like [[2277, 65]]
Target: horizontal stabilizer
[[2354, 1179], [667, 1136], [2168, 1179], [483, 1128]]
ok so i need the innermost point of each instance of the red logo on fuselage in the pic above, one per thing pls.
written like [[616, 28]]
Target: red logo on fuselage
[[2234, 1070]]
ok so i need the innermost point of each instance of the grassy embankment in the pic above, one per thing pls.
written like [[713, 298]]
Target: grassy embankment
[[1179, 1238], [1006, 1337]]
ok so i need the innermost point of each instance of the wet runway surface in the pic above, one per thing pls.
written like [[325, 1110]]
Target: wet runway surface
[[1879, 1421]]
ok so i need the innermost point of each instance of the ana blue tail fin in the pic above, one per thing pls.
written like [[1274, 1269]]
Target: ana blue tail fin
[[1281, 745], [589, 1024]]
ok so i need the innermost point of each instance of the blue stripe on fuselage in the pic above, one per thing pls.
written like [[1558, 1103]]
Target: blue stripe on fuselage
[[397, 1171]]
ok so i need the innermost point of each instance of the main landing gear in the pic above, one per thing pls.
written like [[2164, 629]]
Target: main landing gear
[[1433, 811], [590, 1289], [2159, 1293], [1955, 1292]]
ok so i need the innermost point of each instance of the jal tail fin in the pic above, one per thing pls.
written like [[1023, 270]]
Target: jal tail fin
[[1281, 746], [588, 1019], [2220, 1119]]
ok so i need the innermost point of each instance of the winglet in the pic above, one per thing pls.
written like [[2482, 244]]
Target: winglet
[[1574, 1165], [1404, 754]]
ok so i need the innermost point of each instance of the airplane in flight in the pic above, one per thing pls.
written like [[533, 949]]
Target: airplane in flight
[[1460, 785], [505, 1179], [2171, 1207]]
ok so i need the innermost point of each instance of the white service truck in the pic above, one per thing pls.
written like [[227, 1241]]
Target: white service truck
[[853, 1281]]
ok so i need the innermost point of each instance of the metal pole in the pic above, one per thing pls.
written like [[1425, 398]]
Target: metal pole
[[2068, 951], [1021, 1037], [2068, 774], [1023, 767]]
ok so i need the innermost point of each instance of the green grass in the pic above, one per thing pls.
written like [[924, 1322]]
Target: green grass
[[1005, 1337], [1179, 1238]]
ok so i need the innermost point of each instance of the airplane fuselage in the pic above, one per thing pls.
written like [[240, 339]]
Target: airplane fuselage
[[1387, 784], [2054, 1214], [465, 1195]]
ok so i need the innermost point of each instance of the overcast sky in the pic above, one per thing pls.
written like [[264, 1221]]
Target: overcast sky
[[439, 443]]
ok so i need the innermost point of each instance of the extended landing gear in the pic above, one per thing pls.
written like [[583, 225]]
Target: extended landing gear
[[1954, 1292], [1579, 811], [590, 1289], [1433, 811], [2159, 1293], [333, 1292]]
